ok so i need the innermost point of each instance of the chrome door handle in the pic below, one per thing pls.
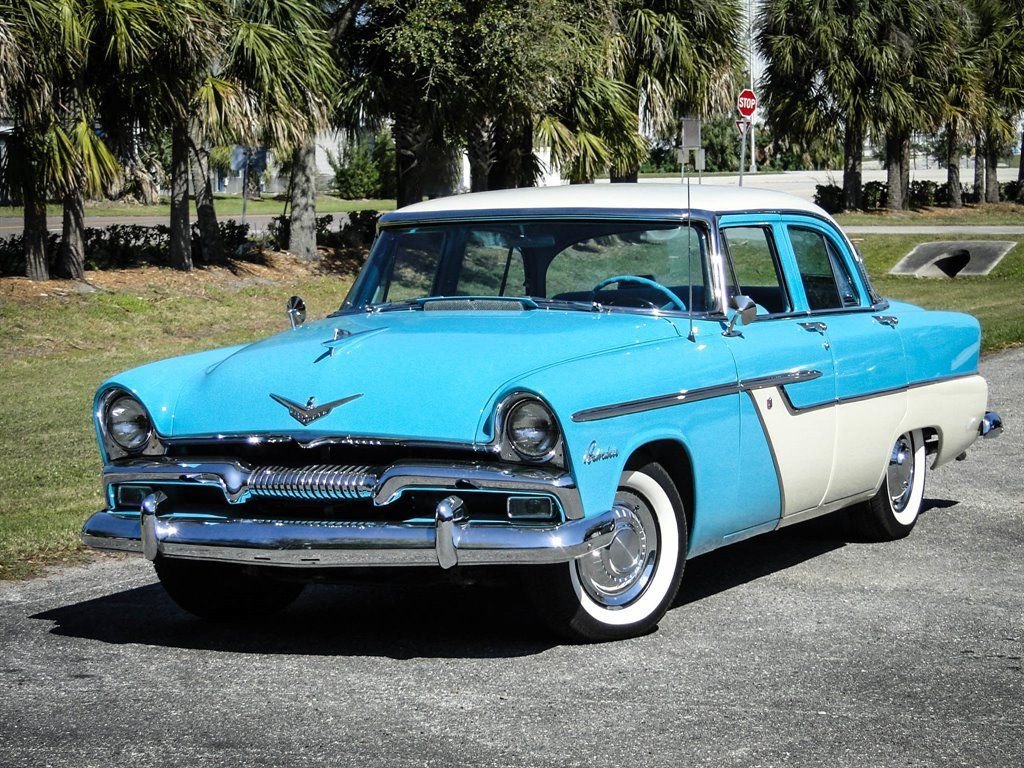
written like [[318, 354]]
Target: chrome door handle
[[891, 320], [816, 327]]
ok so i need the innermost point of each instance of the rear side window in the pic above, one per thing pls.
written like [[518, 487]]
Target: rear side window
[[756, 269], [825, 278]]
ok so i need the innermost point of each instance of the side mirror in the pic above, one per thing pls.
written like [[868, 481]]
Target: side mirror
[[745, 314], [296, 311]]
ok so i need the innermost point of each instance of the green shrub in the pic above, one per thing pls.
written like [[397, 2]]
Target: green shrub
[[829, 197], [355, 172], [923, 194], [874, 195]]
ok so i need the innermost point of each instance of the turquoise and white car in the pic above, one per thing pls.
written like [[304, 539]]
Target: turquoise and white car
[[589, 383]]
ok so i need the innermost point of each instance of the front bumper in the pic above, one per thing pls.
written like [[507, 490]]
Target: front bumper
[[446, 542], [449, 539]]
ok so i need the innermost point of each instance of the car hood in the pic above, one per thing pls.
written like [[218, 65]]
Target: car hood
[[415, 374]]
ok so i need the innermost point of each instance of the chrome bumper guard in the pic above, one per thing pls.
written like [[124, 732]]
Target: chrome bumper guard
[[449, 541], [991, 425]]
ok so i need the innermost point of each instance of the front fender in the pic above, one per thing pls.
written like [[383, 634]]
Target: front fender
[[735, 483]]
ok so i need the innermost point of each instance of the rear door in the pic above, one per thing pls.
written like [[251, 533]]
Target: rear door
[[871, 378]]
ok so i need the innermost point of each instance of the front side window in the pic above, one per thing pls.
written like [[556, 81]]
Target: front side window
[[826, 280], [550, 261]]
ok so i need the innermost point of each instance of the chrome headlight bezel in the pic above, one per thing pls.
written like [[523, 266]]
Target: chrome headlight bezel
[[510, 449], [113, 448]]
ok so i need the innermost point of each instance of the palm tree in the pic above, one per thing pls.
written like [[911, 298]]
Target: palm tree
[[677, 58], [999, 47], [44, 46], [816, 81], [913, 43]]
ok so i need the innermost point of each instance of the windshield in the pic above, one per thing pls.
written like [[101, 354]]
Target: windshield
[[548, 262]]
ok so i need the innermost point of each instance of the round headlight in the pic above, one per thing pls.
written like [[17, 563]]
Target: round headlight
[[128, 423], [532, 430]]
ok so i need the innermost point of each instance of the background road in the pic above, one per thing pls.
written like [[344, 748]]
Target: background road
[[799, 183], [802, 648]]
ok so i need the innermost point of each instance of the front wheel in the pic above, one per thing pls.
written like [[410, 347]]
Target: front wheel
[[225, 592], [892, 512], [624, 589]]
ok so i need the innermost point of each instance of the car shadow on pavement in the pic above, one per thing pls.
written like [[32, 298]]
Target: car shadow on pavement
[[389, 620], [426, 618], [761, 556]]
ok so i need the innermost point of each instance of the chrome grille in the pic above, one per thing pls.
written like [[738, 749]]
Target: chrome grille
[[317, 482]]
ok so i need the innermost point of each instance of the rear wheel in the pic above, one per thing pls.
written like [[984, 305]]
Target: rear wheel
[[225, 592], [892, 512], [624, 589]]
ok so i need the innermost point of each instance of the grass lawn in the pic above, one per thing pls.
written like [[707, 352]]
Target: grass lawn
[[57, 344], [226, 205]]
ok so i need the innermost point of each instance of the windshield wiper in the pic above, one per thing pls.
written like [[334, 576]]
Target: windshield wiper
[[573, 306], [394, 306]]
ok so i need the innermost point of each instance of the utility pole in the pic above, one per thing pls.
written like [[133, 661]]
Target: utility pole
[[750, 66]]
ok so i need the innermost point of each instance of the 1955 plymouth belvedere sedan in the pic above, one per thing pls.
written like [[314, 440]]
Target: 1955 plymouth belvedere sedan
[[591, 383]]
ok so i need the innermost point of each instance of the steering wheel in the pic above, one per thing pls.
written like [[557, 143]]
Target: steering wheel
[[673, 299]]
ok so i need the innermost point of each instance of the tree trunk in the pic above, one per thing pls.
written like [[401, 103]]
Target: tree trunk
[[211, 245], [629, 177], [979, 169], [905, 172], [408, 181], [953, 168], [513, 164], [302, 240], [34, 197], [181, 240], [991, 177], [1020, 165], [894, 171], [36, 235], [853, 153], [72, 244], [481, 156]]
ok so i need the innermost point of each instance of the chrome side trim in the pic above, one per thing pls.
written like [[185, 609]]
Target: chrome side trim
[[238, 482], [325, 545], [693, 395], [793, 410]]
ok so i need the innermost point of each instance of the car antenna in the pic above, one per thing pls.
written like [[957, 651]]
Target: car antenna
[[689, 255]]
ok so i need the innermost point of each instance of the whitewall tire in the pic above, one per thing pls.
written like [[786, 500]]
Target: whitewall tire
[[624, 589], [892, 512]]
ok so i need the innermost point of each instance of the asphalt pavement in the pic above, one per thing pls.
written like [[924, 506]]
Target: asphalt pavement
[[800, 648]]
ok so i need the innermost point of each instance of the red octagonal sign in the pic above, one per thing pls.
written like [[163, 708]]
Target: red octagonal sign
[[746, 102]]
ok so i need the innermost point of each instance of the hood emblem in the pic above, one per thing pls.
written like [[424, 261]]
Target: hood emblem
[[310, 412]]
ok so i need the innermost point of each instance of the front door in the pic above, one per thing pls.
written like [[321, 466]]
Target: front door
[[784, 363]]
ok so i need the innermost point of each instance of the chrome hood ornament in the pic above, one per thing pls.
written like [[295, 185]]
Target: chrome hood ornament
[[310, 412]]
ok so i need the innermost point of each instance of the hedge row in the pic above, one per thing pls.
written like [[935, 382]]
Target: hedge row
[[129, 245], [923, 194]]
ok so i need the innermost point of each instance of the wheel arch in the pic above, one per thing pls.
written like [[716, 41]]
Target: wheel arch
[[675, 458]]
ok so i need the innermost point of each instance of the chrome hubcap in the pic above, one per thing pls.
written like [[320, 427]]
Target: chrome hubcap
[[900, 474], [619, 573]]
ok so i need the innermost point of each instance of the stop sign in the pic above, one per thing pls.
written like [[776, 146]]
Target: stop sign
[[746, 102]]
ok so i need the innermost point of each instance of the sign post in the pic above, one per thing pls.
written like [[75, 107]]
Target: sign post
[[746, 103]]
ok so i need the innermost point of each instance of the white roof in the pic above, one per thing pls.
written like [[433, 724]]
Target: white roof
[[669, 197]]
